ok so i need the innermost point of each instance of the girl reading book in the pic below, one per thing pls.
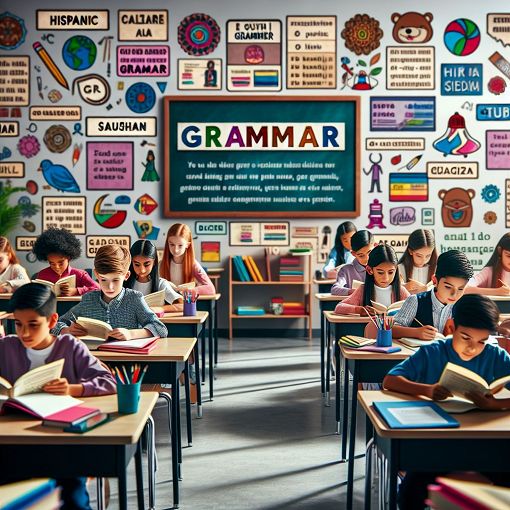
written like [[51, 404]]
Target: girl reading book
[[382, 284], [35, 312], [12, 274], [58, 247], [179, 264], [144, 277], [341, 252], [418, 263]]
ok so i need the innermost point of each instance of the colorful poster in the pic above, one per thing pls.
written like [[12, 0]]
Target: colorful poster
[[274, 234], [244, 234], [412, 187], [146, 25], [254, 55], [402, 113], [199, 74], [311, 52], [493, 112], [64, 212], [498, 149], [210, 251], [410, 68], [109, 165], [461, 79], [15, 81], [151, 61]]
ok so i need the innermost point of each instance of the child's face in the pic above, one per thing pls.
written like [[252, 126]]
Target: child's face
[[4, 261], [111, 284], [421, 256], [142, 267], [449, 289], [58, 262], [177, 246], [362, 254], [384, 274], [345, 239], [33, 329], [505, 259], [469, 342]]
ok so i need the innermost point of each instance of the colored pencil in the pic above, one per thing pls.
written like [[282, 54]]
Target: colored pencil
[[50, 64]]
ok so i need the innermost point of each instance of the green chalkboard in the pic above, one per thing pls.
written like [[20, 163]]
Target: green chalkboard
[[256, 156]]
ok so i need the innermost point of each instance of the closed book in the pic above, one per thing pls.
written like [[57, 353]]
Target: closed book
[[382, 350], [136, 346], [251, 272], [250, 310], [242, 269], [238, 273], [70, 416], [256, 269], [277, 299], [88, 424]]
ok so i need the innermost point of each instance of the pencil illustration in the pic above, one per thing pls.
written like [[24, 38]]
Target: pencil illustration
[[50, 64]]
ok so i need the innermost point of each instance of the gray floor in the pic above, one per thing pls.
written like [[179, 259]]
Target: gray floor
[[265, 442]]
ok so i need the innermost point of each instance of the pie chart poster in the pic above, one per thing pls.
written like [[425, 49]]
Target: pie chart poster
[[253, 156]]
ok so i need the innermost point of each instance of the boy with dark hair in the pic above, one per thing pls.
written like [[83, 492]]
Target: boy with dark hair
[[424, 315], [362, 243], [475, 317], [124, 309]]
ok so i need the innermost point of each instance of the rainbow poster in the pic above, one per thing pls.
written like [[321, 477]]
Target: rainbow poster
[[409, 187]]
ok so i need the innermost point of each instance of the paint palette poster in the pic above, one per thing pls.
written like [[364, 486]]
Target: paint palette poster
[[254, 55], [210, 251], [199, 74]]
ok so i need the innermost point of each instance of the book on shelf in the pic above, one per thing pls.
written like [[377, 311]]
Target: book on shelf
[[415, 343], [250, 310], [35, 494], [301, 251], [56, 287], [380, 308], [252, 268], [242, 271], [354, 341], [256, 269], [95, 328], [155, 298], [267, 257], [70, 416], [134, 346]]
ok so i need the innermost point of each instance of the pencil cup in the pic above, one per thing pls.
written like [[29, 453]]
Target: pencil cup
[[128, 396], [189, 309], [384, 338]]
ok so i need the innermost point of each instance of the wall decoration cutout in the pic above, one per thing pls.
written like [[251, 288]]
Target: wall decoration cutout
[[79, 52], [15, 77], [490, 193], [309, 243], [360, 75], [12, 31], [120, 126], [64, 212], [145, 204], [58, 177], [5, 154], [456, 140], [462, 37], [375, 215], [57, 138], [106, 215], [397, 241], [9, 129], [28, 209], [50, 64], [413, 187], [76, 153], [140, 97], [493, 112], [29, 226], [25, 243], [54, 95], [410, 67], [462, 79], [497, 149], [395, 144], [209, 228], [93, 243], [402, 216], [146, 230], [198, 34], [496, 85], [409, 165], [254, 55], [445, 170], [110, 166], [93, 89], [210, 251], [199, 74], [307, 46], [490, 217], [146, 25], [305, 232], [501, 63], [457, 207], [12, 169], [428, 216], [81, 19], [375, 171], [497, 27], [55, 113], [32, 187], [135, 61], [28, 146], [150, 174], [401, 113], [362, 34], [412, 27]]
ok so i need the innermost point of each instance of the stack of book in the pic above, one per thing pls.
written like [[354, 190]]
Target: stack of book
[[293, 308], [246, 269], [250, 310], [291, 269], [355, 342]]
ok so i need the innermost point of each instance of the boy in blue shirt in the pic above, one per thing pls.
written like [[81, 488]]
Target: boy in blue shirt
[[424, 315], [475, 317]]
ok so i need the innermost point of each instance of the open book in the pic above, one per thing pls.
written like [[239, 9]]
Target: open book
[[414, 343], [460, 381], [33, 380], [41, 405], [429, 284], [183, 286], [155, 298], [55, 287], [355, 284], [356, 341], [380, 308], [95, 327]]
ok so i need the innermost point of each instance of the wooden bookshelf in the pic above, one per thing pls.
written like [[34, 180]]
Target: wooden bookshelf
[[305, 295]]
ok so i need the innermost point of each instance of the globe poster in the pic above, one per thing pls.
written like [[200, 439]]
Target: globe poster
[[79, 52]]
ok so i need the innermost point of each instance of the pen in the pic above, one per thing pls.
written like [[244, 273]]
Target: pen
[[76, 153], [50, 64], [39, 87]]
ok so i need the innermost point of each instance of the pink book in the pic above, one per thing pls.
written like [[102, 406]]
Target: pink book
[[70, 416], [137, 346]]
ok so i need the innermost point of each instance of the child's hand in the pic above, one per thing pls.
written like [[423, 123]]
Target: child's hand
[[57, 387], [438, 392], [5, 288], [332, 273], [484, 401], [75, 330], [120, 334], [427, 332], [504, 290], [365, 311], [449, 327], [65, 290]]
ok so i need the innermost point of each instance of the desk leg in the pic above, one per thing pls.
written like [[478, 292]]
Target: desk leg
[[139, 476], [215, 329], [352, 435], [392, 477], [179, 431], [197, 371], [345, 413], [202, 347], [337, 387], [175, 434], [328, 360], [188, 403], [323, 382], [211, 359], [122, 478]]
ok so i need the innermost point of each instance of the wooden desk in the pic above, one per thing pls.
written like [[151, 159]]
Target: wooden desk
[[502, 302], [481, 443], [64, 303], [165, 362], [324, 284], [327, 302], [214, 273], [365, 367], [191, 326], [36, 451]]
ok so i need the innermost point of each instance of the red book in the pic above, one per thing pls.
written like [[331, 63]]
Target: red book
[[137, 346], [70, 416]]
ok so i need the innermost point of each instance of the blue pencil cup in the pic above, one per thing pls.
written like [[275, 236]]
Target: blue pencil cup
[[384, 338], [189, 309], [128, 396]]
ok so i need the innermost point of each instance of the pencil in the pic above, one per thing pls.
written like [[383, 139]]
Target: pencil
[[422, 325], [50, 64]]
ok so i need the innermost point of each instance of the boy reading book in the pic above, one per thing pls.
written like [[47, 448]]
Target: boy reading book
[[34, 307], [123, 309], [474, 318], [61, 286], [426, 314]]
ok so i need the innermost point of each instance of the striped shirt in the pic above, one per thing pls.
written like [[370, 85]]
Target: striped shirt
[[128, 310]]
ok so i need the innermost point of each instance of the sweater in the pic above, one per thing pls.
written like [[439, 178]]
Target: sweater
[[349, 304], [15, 275], [84, 283], [345, 276]]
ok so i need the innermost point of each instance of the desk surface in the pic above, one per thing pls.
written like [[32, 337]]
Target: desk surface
[[356, 354], [178, 318], [325, 281], [63, 299], [346, 319], [123, 429], [167, 349], [215, 270], [327, 296], [474, 424], [210, 297]]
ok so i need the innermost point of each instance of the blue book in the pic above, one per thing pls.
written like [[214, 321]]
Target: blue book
[[240, 275], [250, 310], [415, 415], [242, 268]]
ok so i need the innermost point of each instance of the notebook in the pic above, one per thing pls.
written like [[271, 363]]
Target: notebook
[[137, 346], [70, 416]]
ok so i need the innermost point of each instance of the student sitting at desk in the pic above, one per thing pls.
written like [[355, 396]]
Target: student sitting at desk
[[494, 278], [382, 284], [424, 315], [341, 252], [124, 309], [475, 318], [58, 247], [35, 312], [361, 242], [12, 274]]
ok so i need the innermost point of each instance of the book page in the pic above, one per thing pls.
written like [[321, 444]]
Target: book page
[[44, 404], [35, 379], [416, 416], [155, 298], [459, 384], [498, 383], [94, 327]]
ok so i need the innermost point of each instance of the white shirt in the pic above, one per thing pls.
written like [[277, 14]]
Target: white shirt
[[38, 357], [420, 274], [383, 296], [176, 273], [145, 288]]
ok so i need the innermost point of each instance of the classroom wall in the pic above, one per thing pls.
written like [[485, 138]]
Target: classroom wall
[[451, 179]]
